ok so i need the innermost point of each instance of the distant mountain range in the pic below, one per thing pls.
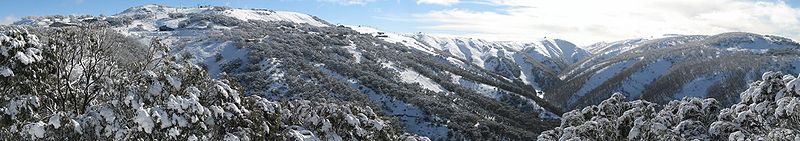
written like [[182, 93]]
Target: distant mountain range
[[444, 87]]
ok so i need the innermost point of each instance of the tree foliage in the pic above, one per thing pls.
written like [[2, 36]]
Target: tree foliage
[[766, 111], [93, 84]]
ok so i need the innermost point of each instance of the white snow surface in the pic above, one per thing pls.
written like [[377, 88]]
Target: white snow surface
[[410, 76], [36, 130], [412, 118], [300, 134], [207, 51], [6, 72], [527, 75], [353, 50], [498, 94], [698, 87], [751, 42], [637, 82], [143, 120], [485, 54], [485, 90], [55, 120], [599, 78], [394, 38], [162, 12]]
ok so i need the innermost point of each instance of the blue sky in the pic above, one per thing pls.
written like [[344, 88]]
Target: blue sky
[[583, 22]]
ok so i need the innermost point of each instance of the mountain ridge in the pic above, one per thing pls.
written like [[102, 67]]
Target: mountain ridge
[[438, 87], [285, 59]]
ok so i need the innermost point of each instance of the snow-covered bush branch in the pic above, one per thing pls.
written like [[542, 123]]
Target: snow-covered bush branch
[[768, 110], [93, 84]]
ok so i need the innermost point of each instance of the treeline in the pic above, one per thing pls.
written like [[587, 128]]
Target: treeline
[[305, 46]]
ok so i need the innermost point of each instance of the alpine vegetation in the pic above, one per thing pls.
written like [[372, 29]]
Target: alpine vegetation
[[156, 72], [80, 84], [768, 110], [250, 74]]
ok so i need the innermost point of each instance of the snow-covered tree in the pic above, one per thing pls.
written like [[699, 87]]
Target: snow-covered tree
[[71, 86], [768, 110]]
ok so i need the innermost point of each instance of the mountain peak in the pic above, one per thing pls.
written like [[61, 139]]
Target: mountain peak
[[152, 16], [750, 41]]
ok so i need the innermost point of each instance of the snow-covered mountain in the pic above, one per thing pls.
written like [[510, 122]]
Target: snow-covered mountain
[[436, 89], [664, 69], [531, 63], [296, 76], [151, 17]]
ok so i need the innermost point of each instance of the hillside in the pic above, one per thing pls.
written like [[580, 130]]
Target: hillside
[[287, 56], [664, 69], [767, 110], [530, 63], [219, 73]]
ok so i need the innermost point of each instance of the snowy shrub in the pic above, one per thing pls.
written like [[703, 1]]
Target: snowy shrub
[[767, 111], [85, 95], [18, 50]]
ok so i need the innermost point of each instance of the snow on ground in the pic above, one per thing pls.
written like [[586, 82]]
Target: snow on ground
[[561, 49], [161, 12], [393, 38], [599, 77], [301, 134], [412, 117], [527, 75], [752, 42], [275, 74], [637, 82], [497, 94], [410, 76], [472, 50], [207, 53], [459, 63], [485, 90], [698, 87], [265, 15], [603, 51], [353, 50]]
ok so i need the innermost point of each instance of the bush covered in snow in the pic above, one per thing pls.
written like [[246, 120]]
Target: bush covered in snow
[[19, 49], [768, 110], [89, 84], [287, 62]]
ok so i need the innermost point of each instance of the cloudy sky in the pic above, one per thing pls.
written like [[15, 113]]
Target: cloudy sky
[[581, 21]]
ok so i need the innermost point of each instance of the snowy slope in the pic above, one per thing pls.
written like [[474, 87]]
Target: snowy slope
[[698, 87], [602, 51], [162, 13], [145, 22], [412, 117], [674, 67], [599, 77], [637, 82], [500, 95], [149, 18], [394, 38], [531, 63], [740, 41], [296, 56]]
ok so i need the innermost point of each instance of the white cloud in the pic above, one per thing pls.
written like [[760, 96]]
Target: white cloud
[[8, 20], [438, 2], [349, 2], [586, 22]]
